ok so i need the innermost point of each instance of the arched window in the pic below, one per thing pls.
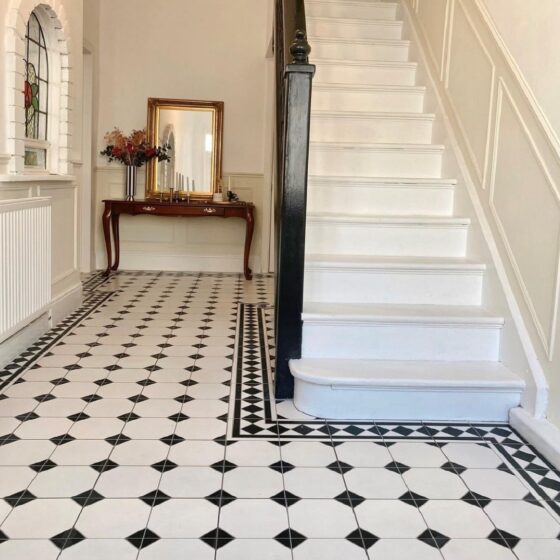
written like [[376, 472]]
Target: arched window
[[39, 87], [36, 81], [36, 95]]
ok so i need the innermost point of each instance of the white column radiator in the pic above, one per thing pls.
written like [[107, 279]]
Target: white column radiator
[[25, 262]]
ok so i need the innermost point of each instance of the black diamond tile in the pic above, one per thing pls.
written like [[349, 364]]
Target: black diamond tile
[[20, 498], [67, 538], [220, 498], [217, 538], [138, 398], [503, 538], [453, 468], [45, 398], [155, 498], [413, 499], [88, 498], [285, 498], [104, 466], [369, 539], [164, 466], [172, 439], [290, 538], [78, 416], [117, 439], [143, 538], [433, 538], [62, 439], [179, 417], [27, 416], [43, 465], [397, 467], [349, 499], [102, 382], [3, 537], [476, 499], [223, 466], [91, 398]]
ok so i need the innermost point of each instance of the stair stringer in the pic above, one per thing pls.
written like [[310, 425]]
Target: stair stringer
[[517, 350]]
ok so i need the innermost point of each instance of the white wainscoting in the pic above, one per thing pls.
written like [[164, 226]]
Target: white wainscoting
[[157, 243], [511, 168]]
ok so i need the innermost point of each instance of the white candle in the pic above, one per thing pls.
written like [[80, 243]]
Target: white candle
[[193, 185], [229, 183]]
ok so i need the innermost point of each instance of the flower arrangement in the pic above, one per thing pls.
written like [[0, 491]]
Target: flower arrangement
[[134, 149]]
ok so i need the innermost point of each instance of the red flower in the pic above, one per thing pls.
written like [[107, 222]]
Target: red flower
[[27, 92]]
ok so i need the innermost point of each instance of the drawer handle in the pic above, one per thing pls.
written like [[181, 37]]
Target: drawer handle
[[210, 210], [148, 208]]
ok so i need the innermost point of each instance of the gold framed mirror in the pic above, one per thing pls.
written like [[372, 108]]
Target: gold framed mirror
[[194, 132]]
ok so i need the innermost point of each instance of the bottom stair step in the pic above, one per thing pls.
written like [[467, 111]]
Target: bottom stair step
[[405, 390]]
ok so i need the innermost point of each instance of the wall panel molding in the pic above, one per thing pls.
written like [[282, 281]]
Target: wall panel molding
[[480, 164], [546, 334]]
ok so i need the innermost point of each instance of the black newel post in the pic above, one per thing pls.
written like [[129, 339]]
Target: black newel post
[[298, 77]]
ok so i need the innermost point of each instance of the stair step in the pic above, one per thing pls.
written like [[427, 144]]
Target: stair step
[[365, 72], [351, 9], [375, 160], [370, 50], [332, 97], [353, 28], [392, 280], [400, 332], [401, 390], [381, 196], [355, 126], [413, 236]]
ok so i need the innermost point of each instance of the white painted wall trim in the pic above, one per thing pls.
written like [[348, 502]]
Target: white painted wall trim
[[535, 399], [539, 432]]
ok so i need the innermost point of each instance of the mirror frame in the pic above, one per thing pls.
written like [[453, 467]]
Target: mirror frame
[[155, 104]]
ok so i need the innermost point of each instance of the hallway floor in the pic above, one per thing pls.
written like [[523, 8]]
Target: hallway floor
[[143, 428]]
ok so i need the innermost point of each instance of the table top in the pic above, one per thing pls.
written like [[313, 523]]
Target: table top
[[194, 202]]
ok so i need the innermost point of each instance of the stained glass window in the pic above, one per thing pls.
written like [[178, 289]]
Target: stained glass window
[[36, 81]]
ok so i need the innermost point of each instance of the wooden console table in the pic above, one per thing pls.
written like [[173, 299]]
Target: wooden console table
[[193, 209]]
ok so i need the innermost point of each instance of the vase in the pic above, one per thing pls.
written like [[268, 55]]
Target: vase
[[130, 182]]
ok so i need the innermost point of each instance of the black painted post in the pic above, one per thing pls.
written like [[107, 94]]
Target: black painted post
[[292, 207]]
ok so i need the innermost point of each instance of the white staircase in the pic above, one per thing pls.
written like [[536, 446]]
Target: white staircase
[[394, 326]]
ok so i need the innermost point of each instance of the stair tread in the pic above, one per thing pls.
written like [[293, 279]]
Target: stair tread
[[369, 87], [385, 373], [387, 219], [399, 312], [360, 41], [357, 21], [378, 63], [420, 263], [401, 181], [396, 146], [374, 114]]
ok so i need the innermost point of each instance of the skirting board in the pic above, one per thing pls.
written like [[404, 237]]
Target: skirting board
[[65, 303], [25, 337], [59, 308], [539, 432], [184, 263]]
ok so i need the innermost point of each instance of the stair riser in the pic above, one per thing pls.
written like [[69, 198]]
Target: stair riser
[[341, 30], [392, 287], [365, 75], [394, 341], [325, 401], [372, 239], [326, 161], [383, 101], [385, 130], [358, 10], [381, 201], [359, 52]]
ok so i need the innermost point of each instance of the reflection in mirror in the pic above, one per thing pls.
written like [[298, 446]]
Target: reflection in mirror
[[193, 130]]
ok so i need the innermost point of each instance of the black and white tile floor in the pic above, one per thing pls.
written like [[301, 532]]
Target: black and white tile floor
[[143, 427]]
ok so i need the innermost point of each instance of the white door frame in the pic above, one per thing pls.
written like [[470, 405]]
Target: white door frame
[[86, 191]]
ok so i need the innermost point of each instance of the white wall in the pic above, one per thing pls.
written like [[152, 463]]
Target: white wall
[[530, 33], [512, 160], [63, 189], [192, 49]]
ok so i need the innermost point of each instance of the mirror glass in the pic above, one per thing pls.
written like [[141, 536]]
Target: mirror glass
[[193, 130]]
